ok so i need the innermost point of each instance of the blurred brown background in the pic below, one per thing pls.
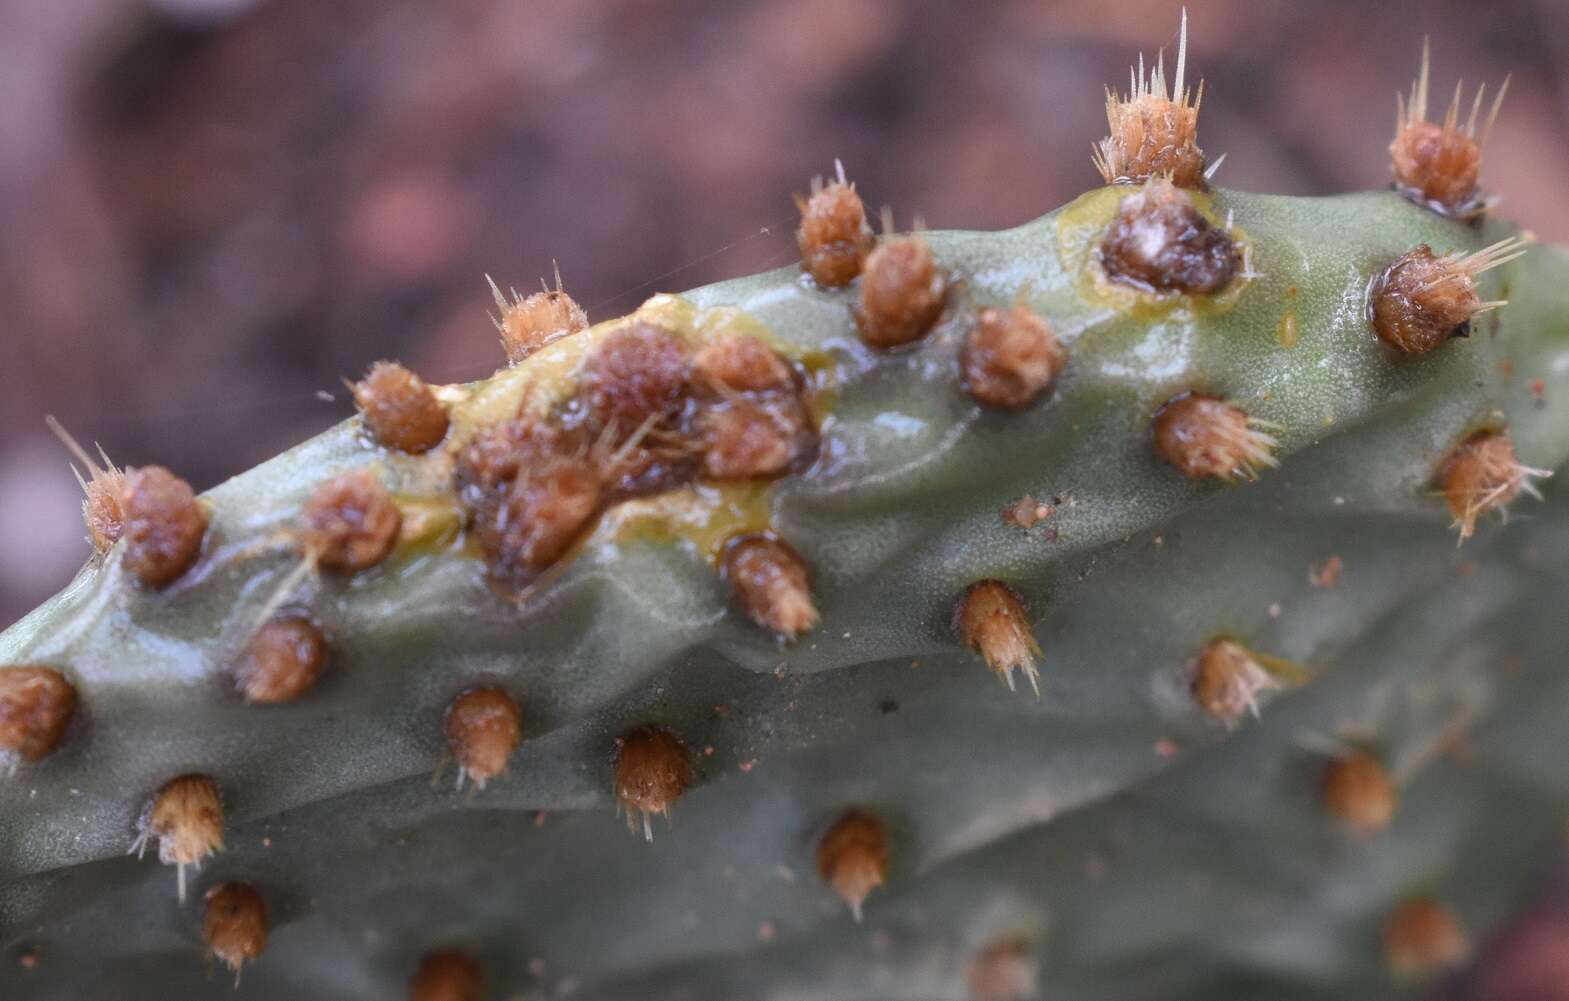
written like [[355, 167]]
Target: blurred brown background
[[212, 209]]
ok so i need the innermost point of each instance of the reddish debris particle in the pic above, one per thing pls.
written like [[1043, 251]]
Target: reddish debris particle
[[350, 522], [447, 975], [852, 857], [1010, 357], [1358, 790], [186, 816], [1539, 390], [1153, 131], [235, 924], [652, 770], [635, 375], [484, 725], [993, 621], [1205, 436], [1422, 937], [769, 580], [28, 958], [163, 525], [1026, 512], [902, 293], [529, 324], [1326, 574], [1227, 680], [1484, 474], [1160, 242], [1004, 971], [399, 409], [36, 705], [834, 237], [1439, 165], [282, 661], [1421, 301]]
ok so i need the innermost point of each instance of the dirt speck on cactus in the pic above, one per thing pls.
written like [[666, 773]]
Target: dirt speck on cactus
[[447, 975], [1422, 937], [902, 292], [282, 661], [1203, 436], [163, 527], [1439, 165], [186, 816], [528, 324], [484, 725], [1423, 300], [1227, 681], [1160, 242], [1484, 474], [852, 857], [1004, 971], [102, 489], [992, 620], [1010, 357], [400, 410], [834, 236], [770, 583], [36, 706], [235, 925], [1153, 131], [349, 523], [652, 770], [1357, 789]]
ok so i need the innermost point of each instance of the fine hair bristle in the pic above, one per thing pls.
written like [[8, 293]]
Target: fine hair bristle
[[902, 292], [1439, 164], [1010, 357], [36, 706], [770, 582], [852, 857], [186, 817], [164, 525], [992, 620], [101, 489], [1357, 789], [349, 523], [834, 236], [234, 925], [652, 771], [1483, 473], [399, 409], [484, 726], [1204, 436], [1423, 937], [1228, 679], [1153, 131], [447, 975]]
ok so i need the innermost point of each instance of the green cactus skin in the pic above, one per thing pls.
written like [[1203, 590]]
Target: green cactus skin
[[1136, 846]]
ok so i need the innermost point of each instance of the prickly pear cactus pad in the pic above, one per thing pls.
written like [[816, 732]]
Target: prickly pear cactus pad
[[1074, 610]]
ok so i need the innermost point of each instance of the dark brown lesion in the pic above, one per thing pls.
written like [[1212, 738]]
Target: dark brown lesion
[[1421, 301], [771, 583], [527, 324], [1160, 242], [652, 770], [651, 413], [282, 661], [1438, 164]]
